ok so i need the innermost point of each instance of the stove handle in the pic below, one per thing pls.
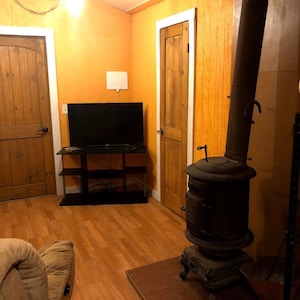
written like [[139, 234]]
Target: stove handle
[[205, 150], [252, 104]]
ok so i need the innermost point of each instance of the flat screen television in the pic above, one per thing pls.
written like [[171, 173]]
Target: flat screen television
[[106, 124]]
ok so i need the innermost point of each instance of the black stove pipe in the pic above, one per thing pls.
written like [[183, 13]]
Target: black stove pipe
[[218, 196], [242, 99]]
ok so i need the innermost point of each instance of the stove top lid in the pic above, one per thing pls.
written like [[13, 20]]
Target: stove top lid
[[220, 169]]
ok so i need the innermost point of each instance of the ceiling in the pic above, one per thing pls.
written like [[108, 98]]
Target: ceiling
[[125, 5]]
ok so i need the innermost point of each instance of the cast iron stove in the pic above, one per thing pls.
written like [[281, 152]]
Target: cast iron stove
[[218, 196]]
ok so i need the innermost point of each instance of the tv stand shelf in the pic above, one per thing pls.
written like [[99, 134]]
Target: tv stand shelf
[[88, 197]]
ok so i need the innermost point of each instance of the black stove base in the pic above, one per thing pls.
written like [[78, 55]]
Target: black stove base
[[215, 273]]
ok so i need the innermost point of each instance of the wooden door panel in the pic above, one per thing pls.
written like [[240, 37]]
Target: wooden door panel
[[174, 189], [173, 162], [174, 102], [19, 88], [16, 84], [20, 166], [20, 131], [173, 133], [28, 165], [17, 41], [174, 78], [7, 111]]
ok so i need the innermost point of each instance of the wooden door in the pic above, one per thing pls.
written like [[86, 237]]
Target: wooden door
[[173, 120], [26, 152]]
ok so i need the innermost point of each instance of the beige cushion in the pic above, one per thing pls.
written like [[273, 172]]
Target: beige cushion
[[12, 287], [19, 254], [58, 258]]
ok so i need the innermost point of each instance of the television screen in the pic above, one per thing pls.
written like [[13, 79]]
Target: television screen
[[99, 124]]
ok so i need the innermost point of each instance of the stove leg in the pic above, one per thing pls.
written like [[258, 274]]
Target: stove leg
[[184, 262], [184, 272]]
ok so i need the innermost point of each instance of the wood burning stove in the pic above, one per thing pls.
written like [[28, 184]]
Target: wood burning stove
[[218, 195], [217, 206]]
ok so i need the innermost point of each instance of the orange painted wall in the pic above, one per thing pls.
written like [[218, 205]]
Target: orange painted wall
[[103, 38], [87, 46]]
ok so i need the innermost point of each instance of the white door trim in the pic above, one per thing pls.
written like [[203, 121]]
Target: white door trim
[[188, 15], [51, 64]]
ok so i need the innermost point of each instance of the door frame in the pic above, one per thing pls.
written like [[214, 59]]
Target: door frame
[[48, 34], [188, 15]]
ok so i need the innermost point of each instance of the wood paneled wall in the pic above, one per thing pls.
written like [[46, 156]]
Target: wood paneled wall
[[213, 75], [271, 136], [212, 78]]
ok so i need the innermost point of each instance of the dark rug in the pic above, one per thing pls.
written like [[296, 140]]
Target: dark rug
[[161, 281], [104, 198]]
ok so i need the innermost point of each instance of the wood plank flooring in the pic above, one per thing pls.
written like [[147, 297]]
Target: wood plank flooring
[[108, 239]]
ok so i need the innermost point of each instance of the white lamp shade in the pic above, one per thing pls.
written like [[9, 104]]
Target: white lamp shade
[[116, 80]]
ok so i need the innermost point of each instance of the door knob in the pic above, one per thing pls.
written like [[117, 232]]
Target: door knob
[[160, 131], [43, 130]]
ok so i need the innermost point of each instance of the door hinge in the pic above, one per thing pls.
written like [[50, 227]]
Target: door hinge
[[188, 48]]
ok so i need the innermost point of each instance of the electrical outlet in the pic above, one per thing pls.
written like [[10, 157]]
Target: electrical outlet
[[64, 109]]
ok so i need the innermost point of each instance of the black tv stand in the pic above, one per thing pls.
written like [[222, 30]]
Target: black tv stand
[[108, 146], [87, 197]]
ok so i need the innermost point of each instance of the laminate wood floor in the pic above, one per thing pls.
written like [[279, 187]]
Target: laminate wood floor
[[108, 239]]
